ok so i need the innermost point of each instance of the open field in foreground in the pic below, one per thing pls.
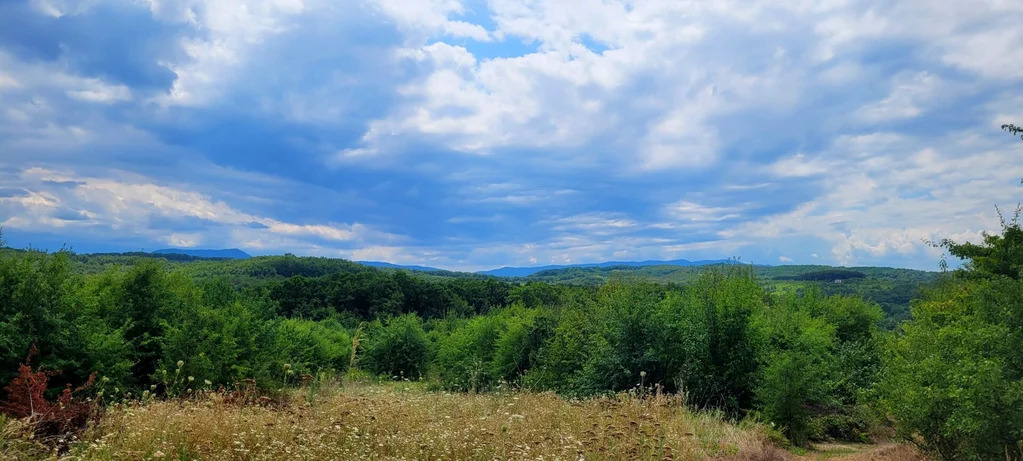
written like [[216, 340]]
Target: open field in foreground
[[404, 421]]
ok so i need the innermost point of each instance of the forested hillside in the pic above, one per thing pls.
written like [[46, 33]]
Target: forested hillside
[[891, 288]]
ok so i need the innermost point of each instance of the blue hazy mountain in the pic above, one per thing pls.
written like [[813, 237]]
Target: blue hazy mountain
[[397, 266], [525, 271], [231, 253]]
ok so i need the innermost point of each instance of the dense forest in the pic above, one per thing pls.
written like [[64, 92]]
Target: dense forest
[[789, 346]]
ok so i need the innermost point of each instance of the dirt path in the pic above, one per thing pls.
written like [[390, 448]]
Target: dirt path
[[858, 452]]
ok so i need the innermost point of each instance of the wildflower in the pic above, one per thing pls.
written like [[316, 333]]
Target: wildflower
[[158, 454], [181, 363], [208, 382]]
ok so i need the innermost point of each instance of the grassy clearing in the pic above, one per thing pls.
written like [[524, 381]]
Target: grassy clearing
[[404, 421]]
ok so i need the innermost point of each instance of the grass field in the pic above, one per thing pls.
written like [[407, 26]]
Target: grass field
[[406, 421]]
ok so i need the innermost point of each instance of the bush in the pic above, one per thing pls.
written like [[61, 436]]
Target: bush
[[518, 348], [796, 367], [562, 356], [222, 345], [26, 399], [305, 347], [955, 378], [396, 348], [465, 356], [624, 339]]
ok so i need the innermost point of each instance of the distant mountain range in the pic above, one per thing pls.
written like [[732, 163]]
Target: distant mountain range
[[526, 271], [231, 253], [234, 253], [398, 266]]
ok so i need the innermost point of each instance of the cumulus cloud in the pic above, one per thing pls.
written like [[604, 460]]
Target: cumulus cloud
[[44, 199], [466, 134]]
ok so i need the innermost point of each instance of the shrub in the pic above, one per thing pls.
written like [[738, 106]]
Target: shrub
[[955, 378], [26, 399], [518, 348], [562, 356], [796, 358], [465, 356], [625, 336], [397, 348]]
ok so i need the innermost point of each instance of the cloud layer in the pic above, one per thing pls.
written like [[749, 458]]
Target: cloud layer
[[468, 135]]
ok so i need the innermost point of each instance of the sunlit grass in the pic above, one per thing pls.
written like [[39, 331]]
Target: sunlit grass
[[405, 421]]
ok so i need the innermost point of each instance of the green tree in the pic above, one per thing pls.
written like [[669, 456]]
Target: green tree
[[39, 305], [797, 361], [397, 347], [465, 356], [954, 380]]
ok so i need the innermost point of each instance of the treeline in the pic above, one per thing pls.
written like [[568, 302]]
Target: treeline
[[817, 366], [825, 275]]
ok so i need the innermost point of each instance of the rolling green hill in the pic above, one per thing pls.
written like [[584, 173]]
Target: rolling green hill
[[891, 288]]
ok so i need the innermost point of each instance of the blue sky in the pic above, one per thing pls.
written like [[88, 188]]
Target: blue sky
[[471, 135]]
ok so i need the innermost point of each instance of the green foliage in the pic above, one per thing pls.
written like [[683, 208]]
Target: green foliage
[[518, 348], [398, 348], [1013, 129], [561, 358], [220, 344], [797, 366], [623, 339], [826, 275], [464, 358], [729, 299], [954, 380], [804, 355], [309, 347], [997, 256], [38, 306]]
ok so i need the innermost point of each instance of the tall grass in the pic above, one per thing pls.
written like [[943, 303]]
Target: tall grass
[[404, 421]]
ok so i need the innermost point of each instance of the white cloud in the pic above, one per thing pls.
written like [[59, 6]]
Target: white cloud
[[690, 120], [432, 17], [101, 93], [231, 31], [785, 259], [137, 206], [685, 210], [908, 94], [567, 95], [798, 166], [890, 202]]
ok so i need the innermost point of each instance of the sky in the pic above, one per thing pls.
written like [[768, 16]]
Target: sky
[[469, 135]]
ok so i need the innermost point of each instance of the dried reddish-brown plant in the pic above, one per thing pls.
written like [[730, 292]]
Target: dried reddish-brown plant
[[26, 398]]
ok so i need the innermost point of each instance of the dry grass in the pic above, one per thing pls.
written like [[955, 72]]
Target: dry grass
[[18, 441], [403, 421]]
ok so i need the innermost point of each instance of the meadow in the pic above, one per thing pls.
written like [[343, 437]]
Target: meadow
[[367, 418]]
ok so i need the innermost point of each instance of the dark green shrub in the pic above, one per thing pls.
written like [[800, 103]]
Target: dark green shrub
[[308, 347], [397, 348], [797, 364], [464, 359], [518, 348]]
